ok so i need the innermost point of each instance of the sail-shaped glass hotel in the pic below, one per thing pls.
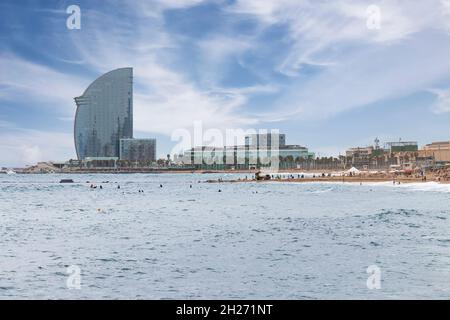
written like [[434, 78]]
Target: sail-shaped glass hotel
[[104, 115]]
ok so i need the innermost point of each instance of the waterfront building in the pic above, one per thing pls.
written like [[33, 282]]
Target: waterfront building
[[265, 140], [138, 150], [438, 152], [104, 115], [439, 145], [103, 130], [359, 151], [260, 150], [402, 146], [100, 162], [359, 157]]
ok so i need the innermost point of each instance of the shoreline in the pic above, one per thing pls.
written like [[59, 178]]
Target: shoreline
[[336, 179], [156, 171]]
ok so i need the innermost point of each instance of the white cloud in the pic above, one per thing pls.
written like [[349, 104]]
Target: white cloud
[[25, 81], [178, 4], [442, 102], [358, 66], [21, 147], [370, 76], [318, 28], [164, 98]]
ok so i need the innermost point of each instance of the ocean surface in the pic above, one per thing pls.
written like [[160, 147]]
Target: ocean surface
[[249, 241]]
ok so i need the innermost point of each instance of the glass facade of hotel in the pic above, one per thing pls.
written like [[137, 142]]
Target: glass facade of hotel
[[104, 115], [138, 149]]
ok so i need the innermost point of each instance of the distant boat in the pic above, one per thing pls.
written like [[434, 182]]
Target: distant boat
[[10, 172]]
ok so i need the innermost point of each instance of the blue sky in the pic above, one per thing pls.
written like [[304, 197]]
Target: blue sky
[[312, 69]]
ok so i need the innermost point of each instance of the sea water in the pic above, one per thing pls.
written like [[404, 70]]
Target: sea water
[[187, 240]]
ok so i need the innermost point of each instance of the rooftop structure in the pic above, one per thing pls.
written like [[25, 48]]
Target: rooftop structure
[[402, 146]]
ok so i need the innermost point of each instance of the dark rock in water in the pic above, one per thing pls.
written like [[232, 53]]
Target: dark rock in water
[[66, 181]]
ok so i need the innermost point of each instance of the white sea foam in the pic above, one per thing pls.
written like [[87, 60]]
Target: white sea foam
[[427, 186]]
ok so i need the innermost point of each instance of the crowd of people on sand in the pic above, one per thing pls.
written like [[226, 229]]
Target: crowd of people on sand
[[442, 174], [438, 175]]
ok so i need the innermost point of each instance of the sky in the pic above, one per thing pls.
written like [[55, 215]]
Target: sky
[[328, 74]]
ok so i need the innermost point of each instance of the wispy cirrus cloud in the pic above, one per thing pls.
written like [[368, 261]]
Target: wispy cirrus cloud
[[26, 81], [165, 98], [230, 64], [317, 29], [442, 100], [358, 66]]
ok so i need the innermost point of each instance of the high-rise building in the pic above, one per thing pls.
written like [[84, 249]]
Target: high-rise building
[[104, 115]]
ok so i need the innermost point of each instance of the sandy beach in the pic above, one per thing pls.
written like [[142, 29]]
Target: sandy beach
[[361, 178]]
